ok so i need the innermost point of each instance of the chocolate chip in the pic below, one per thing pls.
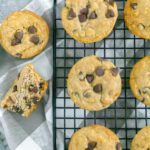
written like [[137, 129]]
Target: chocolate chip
[[141, 26], [133, 5], [81, 76], [35, 99], [84, 11], [15, 88], [33, 88], [89, 77], [32, 29], [28, 104], [93, 15], [91, 145], [110, 13], [19, 35], [35, 39], [114, 71], [100, 71], [71, 14], [17, 109], [41, 85], [15, 42], [87, 93], [118, 146], [97, 88], [25, 97], [111, 2], [82, 17], [18, 54]]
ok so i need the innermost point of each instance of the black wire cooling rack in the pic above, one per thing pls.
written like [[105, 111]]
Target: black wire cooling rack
[[126, 116]]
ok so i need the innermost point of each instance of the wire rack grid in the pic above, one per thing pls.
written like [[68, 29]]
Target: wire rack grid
[[126, 116]]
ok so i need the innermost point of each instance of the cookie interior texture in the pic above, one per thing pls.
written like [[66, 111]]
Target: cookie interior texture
[[140, 80], [137, 16], [94, 83], [25, 93], [24, 34], [89, 20], [142, 140], [94, 137]]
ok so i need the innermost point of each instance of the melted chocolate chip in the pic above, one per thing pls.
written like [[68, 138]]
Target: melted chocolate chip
[[71, 14], [84, 11], [41, 85], [19, 35], [100, 71], [15, 42], [82, 17], [118, 146], [110, 13], [35, 99], [15, 88], [25, 97], [32, 29], [91, 145], [97, 88], [35, 39], [93, 15], [18, 54], [89, 77], [133, 5], [114, 71]]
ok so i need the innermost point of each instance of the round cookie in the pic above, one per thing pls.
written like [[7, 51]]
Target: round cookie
[[140, 80], [137, 17], [94, 83], [94, 137], [89, 21], [24, 34], [142, 140]]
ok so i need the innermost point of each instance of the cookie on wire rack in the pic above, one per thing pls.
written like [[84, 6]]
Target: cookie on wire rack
[[89, 21], [94, 83]]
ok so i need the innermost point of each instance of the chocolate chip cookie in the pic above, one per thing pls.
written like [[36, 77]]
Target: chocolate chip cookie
[[94, 83], [140, 80], [137, 17], [25, 93], [89, 21], [142, 140], [24, 34], [94, 137]]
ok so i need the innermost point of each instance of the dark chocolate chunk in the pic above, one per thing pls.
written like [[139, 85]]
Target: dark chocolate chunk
[[110, 13], [84, 11], [93, 15], [35, 99], [71, 14], [15, 42], [81, 76], [32, 29], [89, 77], [91, 145], [114, 71], [100, 71], [18, 54], [82, 17], [19, 35], [41, 85], [133, 5], [97, 88], [15, 88], [35, 39], [118, 146]]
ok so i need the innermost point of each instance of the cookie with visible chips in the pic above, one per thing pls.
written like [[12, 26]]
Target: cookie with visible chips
[[137, 17], [89, 21], [94, 83], [140, 80], [24, 34], [94, 137]]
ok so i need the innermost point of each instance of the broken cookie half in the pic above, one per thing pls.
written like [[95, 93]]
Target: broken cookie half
[[25, 93]]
